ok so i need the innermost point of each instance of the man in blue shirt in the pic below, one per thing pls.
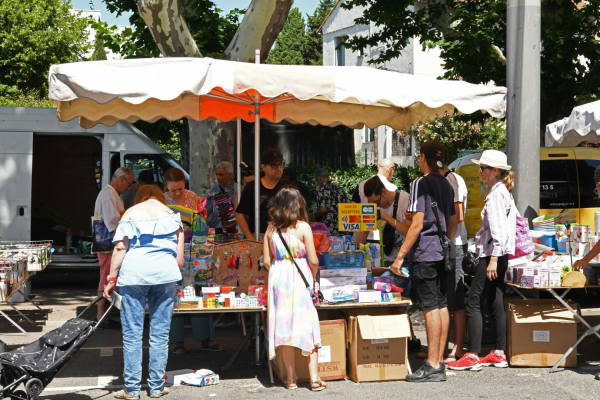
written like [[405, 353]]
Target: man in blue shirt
[[226, 185]]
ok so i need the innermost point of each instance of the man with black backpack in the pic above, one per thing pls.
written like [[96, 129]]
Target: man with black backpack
[[433, 226]]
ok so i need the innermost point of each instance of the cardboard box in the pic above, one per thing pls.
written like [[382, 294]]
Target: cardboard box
[[580, 249], [332, 273], [369, 296], [343, 281], [332, 355], [540, 332], [377, 346], [581, 233]]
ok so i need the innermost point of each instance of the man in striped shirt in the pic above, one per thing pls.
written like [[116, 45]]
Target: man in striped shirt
[[426, 255]]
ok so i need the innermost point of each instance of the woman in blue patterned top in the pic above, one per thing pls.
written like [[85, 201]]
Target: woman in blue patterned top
[[145, 266]]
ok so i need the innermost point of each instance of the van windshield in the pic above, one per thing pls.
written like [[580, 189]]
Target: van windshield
[[558, 184], [586, 169], [157, 163]]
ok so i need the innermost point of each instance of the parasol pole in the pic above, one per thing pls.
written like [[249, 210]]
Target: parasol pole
[[256, 153], [239, 159]]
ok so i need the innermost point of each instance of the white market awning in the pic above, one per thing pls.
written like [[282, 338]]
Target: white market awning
[[581, 126], [199, 88]]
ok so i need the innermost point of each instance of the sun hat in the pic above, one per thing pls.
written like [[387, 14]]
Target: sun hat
[[493, 158]]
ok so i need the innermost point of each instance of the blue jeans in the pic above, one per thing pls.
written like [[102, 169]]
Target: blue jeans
[[160, 299]]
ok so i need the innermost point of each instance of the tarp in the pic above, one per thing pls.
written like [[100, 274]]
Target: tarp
[[581, 126], [199, 88]]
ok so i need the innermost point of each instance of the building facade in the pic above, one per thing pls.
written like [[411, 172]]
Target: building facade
[[413, 60]]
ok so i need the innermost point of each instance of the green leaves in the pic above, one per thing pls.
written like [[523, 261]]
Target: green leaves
[[467, 30], [34, 35], [291, 42]]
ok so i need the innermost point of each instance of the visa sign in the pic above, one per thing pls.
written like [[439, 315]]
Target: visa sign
[[351, 227]]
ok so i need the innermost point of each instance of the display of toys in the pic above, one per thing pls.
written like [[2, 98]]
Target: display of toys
[[241, 303], [252, 301]]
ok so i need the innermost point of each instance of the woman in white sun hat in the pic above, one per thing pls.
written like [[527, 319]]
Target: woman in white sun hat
[[495, 241]]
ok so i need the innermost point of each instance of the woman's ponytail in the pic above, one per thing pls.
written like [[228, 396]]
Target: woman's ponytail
[[508, 179]]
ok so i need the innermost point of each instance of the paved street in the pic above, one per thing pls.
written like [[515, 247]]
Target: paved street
[[96, 369]]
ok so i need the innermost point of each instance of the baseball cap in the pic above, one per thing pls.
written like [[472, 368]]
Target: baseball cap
[[270, 156], [435, 151]]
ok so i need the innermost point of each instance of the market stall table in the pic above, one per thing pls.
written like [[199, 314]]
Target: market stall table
[[552, 290], [256, 328]]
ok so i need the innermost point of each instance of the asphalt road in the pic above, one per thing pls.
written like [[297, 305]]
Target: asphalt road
[[100, 363]]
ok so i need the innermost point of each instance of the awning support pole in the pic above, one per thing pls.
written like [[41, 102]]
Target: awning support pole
[[239, 159], [256, 154]]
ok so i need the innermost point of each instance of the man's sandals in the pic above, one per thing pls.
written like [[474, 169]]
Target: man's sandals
[[211, 346]]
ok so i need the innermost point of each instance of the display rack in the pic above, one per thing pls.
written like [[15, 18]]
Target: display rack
[[20, 260]]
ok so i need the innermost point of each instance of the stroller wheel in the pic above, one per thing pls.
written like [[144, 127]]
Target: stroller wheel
[[34, 388]]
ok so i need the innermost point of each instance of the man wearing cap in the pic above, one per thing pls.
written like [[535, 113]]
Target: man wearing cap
[[272, 164], [385, 172], [422, 240]]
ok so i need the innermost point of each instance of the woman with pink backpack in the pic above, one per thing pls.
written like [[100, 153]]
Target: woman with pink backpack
[[495, 240]]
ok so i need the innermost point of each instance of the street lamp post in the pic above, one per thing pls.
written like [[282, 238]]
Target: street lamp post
[[523, 31]]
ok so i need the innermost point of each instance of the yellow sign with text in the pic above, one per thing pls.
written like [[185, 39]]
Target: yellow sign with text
[[357, 217]]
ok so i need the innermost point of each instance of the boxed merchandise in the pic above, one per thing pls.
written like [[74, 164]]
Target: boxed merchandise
[[527, 277], [342, 293], [580, 249], [337, 243], [377, 346], [541, 277], [390, 280], [540, 332], [517, 273], [260, 291], [343, 281], [332, 354], [581, 233], [332, 273], [369, 296], [554, 279]]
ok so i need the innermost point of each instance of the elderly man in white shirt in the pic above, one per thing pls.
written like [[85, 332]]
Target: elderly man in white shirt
[[110, 205]]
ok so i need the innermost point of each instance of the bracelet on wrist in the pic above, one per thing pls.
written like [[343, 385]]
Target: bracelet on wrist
[[112, 279]]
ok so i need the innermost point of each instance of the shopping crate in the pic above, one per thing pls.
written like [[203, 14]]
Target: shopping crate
[[339, 261]]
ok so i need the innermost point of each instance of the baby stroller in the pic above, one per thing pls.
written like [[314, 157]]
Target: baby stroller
[[36, 364]]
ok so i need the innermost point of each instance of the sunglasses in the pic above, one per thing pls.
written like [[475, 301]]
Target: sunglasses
[[280, 164], [482, 168]]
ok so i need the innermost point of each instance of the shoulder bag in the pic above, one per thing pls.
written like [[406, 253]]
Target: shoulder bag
[[448, 249], [315, 294], [389, 232], [101, 236]]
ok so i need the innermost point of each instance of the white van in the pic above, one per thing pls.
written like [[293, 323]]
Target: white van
[[51, 171]]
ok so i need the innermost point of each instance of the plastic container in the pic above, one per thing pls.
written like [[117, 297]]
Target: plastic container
[[549, 240], [339, 261]]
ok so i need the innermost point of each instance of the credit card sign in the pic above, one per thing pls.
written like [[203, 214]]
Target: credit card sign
[[357, 217]]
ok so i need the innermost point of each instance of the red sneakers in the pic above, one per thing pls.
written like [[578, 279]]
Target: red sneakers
[[492, 360], [466, 362]]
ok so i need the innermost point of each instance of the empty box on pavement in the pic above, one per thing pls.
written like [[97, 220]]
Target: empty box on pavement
[[377, 347], [540, 332], [332, 354]]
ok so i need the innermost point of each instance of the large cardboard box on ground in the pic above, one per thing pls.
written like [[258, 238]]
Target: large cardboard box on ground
[[540, 332], [377, 344], [332, 355]]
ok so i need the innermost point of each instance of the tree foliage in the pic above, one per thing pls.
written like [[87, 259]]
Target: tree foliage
[[34, 35], [290, 45], [313, 49], [458, 132], [211, 30], [472, 37]]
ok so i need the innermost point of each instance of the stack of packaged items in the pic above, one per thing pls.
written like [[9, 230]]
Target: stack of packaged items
[[546, 271], [581, 240], [342, 284]]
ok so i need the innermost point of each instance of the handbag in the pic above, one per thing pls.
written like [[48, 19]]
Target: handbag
[[470, 262], [101, 236], [448, 249], [315, 293], [523, 241], [389, 232]]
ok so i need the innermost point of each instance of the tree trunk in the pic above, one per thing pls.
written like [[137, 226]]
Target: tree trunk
[[184, 145], [169, 29], [210, 141], [262, 23]]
